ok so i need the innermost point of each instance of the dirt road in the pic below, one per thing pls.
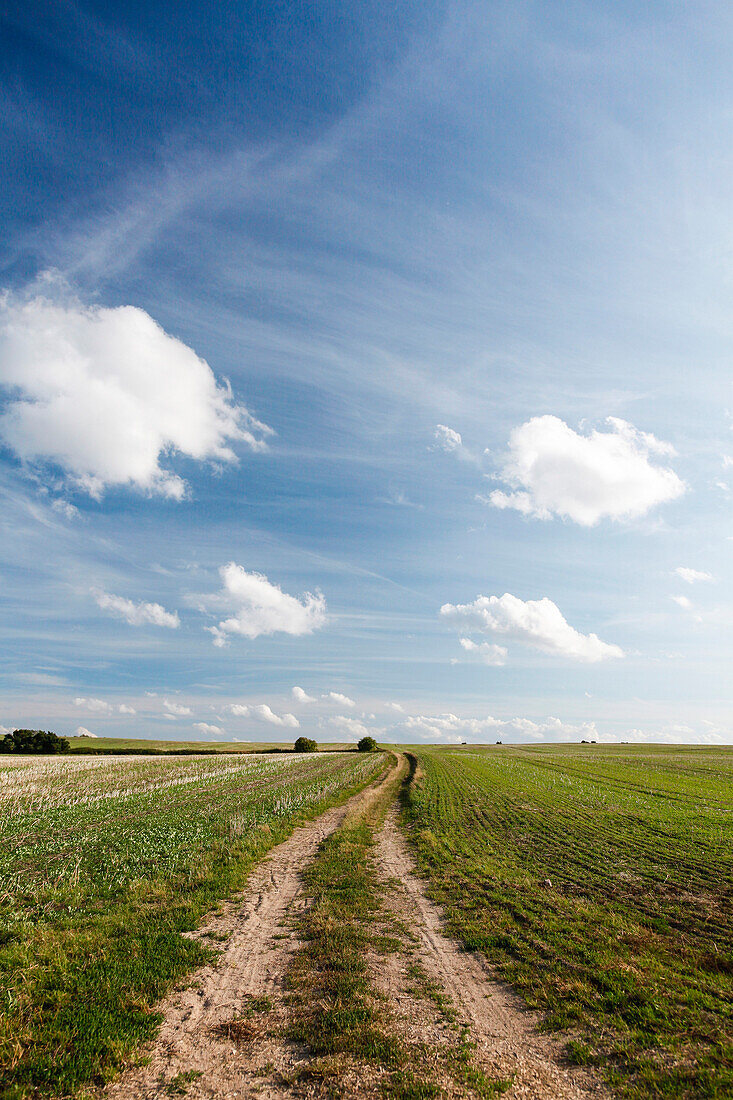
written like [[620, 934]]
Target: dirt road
[[508, 1045], [222, 1035]]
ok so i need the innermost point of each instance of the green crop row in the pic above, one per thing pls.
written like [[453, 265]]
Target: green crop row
[[599, 882]]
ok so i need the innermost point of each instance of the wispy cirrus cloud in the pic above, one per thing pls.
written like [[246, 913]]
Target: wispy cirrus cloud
[[692, 576]]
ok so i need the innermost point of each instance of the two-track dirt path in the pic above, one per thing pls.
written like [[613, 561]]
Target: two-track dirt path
[[508, 1045], [257, 945], [212, 1044]]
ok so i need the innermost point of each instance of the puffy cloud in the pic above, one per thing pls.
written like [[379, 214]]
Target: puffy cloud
[[176, 710], [96, 706], [396, 706], [99, 706], [486, 652], [683, 601], [106, 394], [452, 729], [259, 607], [137, 614], [328, 697], [553, 470], [301, 696], [352, 726], [337, 697], [82, 731], [446, 439], [690, 576], [536, 623], [263, 712], [208, 730]]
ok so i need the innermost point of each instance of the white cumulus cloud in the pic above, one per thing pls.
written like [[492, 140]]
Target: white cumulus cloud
[[690, 576], [237, 710], [302, 696], [259, 607], [536, 623], [337, 697], [176, 710], [96, 706], [262, 712], [107, 395], [137, 614], [265, 714], [487, 652], [446, 439], [82, 731], [352, 726], [682, 601], [452, 729], [554, 471], [208, 730]]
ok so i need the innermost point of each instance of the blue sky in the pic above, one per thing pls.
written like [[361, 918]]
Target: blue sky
[[382, 354]]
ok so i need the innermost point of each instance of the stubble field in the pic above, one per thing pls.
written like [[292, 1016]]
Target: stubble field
[[104, 861]]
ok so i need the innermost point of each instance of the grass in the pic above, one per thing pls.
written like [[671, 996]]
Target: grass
[[103, 864], [335, 1011], [599, 881]]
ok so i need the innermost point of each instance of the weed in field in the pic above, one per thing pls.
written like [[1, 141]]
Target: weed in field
[[178, 1085]]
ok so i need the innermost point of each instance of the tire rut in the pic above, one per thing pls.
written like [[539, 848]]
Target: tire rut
[[508, 1044], [211, 1043]]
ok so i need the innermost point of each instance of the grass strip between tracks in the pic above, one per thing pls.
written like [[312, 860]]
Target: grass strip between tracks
[[347, 1028]]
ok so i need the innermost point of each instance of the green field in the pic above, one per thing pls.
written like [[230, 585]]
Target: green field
[[104, 861], [599, 882]]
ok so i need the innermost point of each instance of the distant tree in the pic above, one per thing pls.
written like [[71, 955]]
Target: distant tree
[[41, 741], [305, 744], [367, 744]]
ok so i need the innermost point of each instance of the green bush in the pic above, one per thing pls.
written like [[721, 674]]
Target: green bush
[[305, 744], [33, 741], [367, 744]]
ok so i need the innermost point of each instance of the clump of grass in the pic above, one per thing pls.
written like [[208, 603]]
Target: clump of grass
[[178, 1085]]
